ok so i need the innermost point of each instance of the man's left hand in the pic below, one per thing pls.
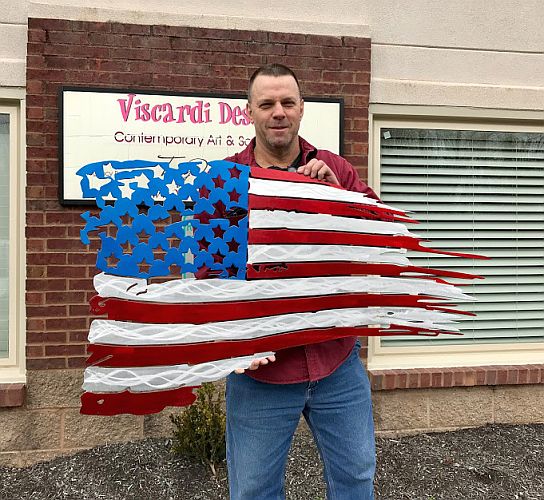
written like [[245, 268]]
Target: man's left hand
[[318, 169]]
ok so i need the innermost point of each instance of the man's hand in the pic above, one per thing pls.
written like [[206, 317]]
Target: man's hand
[[256, 363], [318, 169]]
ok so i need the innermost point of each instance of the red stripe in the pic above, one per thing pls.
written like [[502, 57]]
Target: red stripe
[[306, 269], [338, 208], [136, 403], [301, 237], [198, 313]]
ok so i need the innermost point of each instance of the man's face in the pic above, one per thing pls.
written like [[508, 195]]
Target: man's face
[[276, 109]]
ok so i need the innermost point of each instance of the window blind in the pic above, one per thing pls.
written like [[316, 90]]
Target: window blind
[[476, 192], [4, 234]]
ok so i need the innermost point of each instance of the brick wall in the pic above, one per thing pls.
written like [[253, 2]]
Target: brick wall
[[62, 52]]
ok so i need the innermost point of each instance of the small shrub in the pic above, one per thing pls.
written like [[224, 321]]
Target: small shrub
[[200, 430]]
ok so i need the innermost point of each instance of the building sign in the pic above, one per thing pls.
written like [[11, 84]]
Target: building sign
[[101, 125]]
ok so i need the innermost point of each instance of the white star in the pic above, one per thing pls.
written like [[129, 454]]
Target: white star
[[158, 171], [158, 197], [109, 171], [126, 190], [109, 197], [142, 181], [173, 188], [189, 178], [189, 256], [96, 182]]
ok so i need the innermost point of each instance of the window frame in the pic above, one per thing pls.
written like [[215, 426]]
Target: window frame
[[13, 367], [447, 356]]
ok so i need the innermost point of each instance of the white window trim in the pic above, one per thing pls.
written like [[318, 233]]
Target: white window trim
[[446, 356], [13, 368]]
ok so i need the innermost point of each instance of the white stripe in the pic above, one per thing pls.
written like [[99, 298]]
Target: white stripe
[[261, 254], [157, 378], [126, 333], [276, 219], [217, 290], [309, 191]]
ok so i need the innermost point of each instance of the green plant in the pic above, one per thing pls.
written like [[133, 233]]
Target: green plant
[[200, 430]]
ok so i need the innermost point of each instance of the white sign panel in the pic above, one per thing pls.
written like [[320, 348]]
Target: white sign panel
[[100, 125]]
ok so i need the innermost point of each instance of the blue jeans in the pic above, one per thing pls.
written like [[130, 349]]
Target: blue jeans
[[262, 418]]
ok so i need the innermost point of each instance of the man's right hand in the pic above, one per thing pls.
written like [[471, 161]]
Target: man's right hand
[[256, 363]]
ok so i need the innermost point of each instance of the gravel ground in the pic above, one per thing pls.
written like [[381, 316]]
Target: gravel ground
[[491, 463]]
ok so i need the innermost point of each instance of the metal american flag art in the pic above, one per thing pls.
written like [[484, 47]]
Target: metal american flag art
[[275, 260]]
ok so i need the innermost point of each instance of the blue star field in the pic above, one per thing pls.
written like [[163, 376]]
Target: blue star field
[[160, 219]]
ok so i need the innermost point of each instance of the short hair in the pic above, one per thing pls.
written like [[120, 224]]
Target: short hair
[[272, 70]]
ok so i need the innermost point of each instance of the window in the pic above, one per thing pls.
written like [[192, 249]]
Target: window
[[475, 188], [11, 255]]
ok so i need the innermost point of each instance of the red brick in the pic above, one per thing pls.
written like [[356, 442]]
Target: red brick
[[76, 362], [34, 113], [338, 76], [338, 52], [413, 379], [351, 41], [35, 351], [68, 218], [534, 375], [45, 363], [401, 380], [45, 284], [12, 395], [291, 38], [65, 350], [36, 324], [46, 258], [67, 297], [425, 378], [304, 50], [362, 54], [51, 24], [390, 380], [437, 379], [254, 60], [331, 41], [130, 29], [174, 31], [88, 258], [93, 26], [448, 378], [377, 381], [46, 311], [502, 376], [266, 48], [68, 37], [480, 376], [36, 271], [491, 376], [469, 379], [79, 337], [34, 298], [66, 324], [45, 337], [63, 244], [36, 35], [78, 310]]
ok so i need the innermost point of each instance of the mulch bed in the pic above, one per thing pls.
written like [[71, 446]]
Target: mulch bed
[[492, 462]]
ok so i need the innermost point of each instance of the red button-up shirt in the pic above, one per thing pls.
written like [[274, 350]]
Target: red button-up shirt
[[315, 361]]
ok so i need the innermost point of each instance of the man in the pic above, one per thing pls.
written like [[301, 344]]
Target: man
[[325, 382]]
